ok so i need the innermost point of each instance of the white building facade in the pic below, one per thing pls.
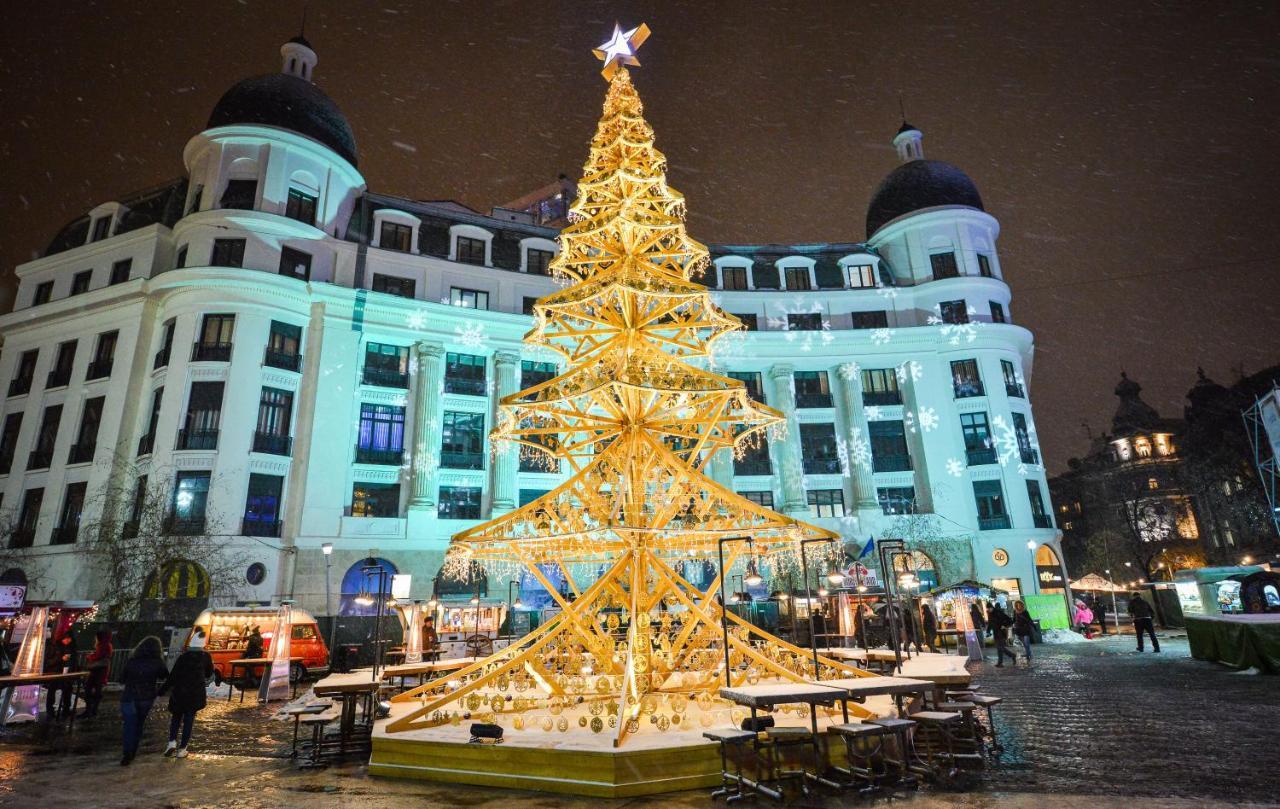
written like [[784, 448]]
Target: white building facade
[[308, 363]]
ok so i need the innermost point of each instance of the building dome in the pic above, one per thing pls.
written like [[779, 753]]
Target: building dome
[[920, 184], [288, 102]]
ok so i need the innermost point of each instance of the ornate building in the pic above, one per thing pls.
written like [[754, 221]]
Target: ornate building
[[302, 363]]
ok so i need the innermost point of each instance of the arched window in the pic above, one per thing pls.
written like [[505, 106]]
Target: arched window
[[922, 566], [177, 592], [360, 586]]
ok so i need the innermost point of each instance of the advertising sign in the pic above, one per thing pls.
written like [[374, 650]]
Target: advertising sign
[[12, 597], [1050, 576]]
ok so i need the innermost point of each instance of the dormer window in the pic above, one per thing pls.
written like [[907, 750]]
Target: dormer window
[[301, 206], [734, 278], [862, 276], [394, 236], [101, 228], [395, 230], [80, 282], [469, 250], [797, 278], [1142, 446], [537, 262], [470, 245]]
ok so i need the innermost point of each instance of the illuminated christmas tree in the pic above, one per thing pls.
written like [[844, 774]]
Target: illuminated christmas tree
[[637, 423]]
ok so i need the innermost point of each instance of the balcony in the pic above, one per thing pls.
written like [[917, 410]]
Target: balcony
[[467, 386], [197, 439], [146, 444], [379, 457], [881, 398], [980, 457], [821, 466], [98, 369], [1042, 520], [966, 390], [81, 453], [272, 444], [64, 535], [748, 467], [995, 522], [211, 352], [162, 358], [461, 460], [890, 463], [129, 529], [385, 378], [255, 527], [1029, 455], [808, 400], [1015, 390], [20, 386], [283, 360], [22, 538], [184, 526], [58, 377], [39, 459]]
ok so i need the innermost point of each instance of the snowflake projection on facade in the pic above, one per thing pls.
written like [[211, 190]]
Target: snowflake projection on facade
[[855, 452], [416, 320], [730, 347], [881, 336], [955, 467], [425, 462], [849, 371], [956, 332], [805, 338], [909, 421], [928, 418], [792, 476], [911, 370], [471, 335], [873, 412], [888, 293], [1006, 440]]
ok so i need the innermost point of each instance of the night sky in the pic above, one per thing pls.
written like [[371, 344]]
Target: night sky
[[1129, 149]]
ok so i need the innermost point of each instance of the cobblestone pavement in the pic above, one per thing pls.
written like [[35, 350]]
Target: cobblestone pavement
[[1090, 725]]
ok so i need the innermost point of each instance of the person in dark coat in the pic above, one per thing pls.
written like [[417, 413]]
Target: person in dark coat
[[978, 620], [929, 623], [144, 670], [60, 657], [1023, 629], [253, 646], [99, 665], [186, 688], [1100, 612], [999, 621], [1143, 620]]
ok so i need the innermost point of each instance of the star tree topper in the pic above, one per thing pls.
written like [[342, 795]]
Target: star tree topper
[[621, 48]]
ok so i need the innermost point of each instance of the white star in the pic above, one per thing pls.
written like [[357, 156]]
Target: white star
[[621, 48], [618, 46]]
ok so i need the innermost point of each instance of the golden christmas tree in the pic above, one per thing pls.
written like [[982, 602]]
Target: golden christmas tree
[[637, 422]]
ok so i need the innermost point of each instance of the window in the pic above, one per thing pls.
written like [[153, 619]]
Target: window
[[818, 449], [527, 496], [997, 312], [944, 265], [733, 277], [68, 527], [880, 387], [386, 365], [462, 441], [214, 344], [1027, 453], [752, 381], [240, 195], [870, 320], [1012, 386], [760, 498], [181, 260], [459, 503], [375, 500], [24, 533], [535, 373], [953, 312], [44, 291], [464, 373], [283, 344], [888, 446], [204, 417], [87, 439], [147, 442], [381, 436], [984, 266], [80, 282], [120, 271], [190, 501], [196, 196], [1039, 514], [301, 206], [812, 389], [992, 514], [754, 460], [527, 305], [101, 228], [965, 379], [978, 445], [826, 502], [750, 321], [25, 372], [468, 298], [394, 285], [537, 262], [806, 321], [166, 344], [227, 253], [1153, 484], [797, 278], [275, 414], [395, 236], [262, 506], [897, 499], [295, 264], [104, 356], [60, 373], [139, 504], [862, 276], [470, 251], [9, 441]]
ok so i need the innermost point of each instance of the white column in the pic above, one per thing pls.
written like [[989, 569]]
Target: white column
[[915, 444], [503, 479], [786, 453], [427, 424], [857, 435]]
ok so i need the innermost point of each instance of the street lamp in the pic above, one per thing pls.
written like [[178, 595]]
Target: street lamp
[[804, 564], [1035, 578], [328, 597], [724, 606]]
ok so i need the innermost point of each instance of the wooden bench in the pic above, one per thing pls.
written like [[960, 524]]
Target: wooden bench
[[317, 723]]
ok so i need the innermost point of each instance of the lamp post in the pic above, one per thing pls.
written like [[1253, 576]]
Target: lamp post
[[808, 592], [380, 573], [724, 606], [328, 598], [1035, 576]]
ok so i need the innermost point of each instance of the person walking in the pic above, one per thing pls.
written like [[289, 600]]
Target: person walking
[[999, 622], [1143, 620], [1100, 612], [978, 620], [186, 688], [929, 622], [1023, 629], [143, 671], [99, 665], [60, 658], [1083, 619]]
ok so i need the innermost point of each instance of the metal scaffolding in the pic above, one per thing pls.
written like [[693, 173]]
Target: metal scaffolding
[[1264, 458]]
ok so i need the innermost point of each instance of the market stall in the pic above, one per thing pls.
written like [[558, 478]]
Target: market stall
[[1212, 590], [1241, 641]]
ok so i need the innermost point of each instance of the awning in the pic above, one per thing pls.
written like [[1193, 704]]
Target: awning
[[1213, 575], [1094, 583]]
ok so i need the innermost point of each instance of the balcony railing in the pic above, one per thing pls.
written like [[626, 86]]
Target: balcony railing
[[821, 466], [993, 523], [197, 439], [1015, 390], [283, 360], [1042, 520], [81, 453], [385, 378], [748, 467], [980, 457], [467, 386], [254, 527], [462, 460], [162, 358], [881, 398], [1029, 455], [146, 444], [99, 369], [965, 390], [39, 459], [20, 386], [890, 463], [185, 526], [22, 538], [813, 400], [211, 352], [272, 444], [58, 377], [379, 457], [64, 535]]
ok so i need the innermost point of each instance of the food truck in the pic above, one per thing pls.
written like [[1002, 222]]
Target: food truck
[[227, 631]]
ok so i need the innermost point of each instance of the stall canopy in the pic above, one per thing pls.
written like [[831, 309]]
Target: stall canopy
[[968, 587], [1213, 575], [1094, 583]]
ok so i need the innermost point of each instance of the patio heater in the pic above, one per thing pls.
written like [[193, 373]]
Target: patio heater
[[380, 573], [724, 605], [808, 592], [889, 550], [328, 598]]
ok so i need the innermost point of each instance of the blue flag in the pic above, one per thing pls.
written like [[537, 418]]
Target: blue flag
[[868, 548]]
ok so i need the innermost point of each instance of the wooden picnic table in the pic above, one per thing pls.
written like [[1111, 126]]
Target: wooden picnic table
[[769, 695], [349, 688], [248, 663], [426, 667], [76, 678], [858, 689]]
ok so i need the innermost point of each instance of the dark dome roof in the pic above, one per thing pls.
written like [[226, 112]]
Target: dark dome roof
[[920, 184], [287, 102]]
